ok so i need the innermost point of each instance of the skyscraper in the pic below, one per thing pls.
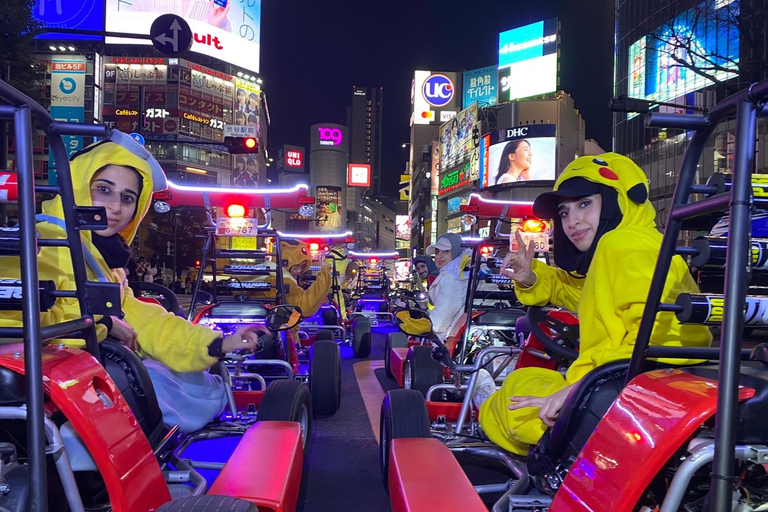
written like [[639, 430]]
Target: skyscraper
[[364, 122]]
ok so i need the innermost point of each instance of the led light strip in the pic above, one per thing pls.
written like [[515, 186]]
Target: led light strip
[[499, 201], [394, 254], [315, 236], [240, 191]]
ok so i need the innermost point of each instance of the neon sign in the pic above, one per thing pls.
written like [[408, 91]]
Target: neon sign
[[329, 136]]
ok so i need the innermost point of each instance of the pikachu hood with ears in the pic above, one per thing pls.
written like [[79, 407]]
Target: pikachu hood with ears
[[624, 190], [609, 301]]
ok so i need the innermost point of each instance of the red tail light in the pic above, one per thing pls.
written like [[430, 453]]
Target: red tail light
[[533, 225], [374, 261], [235, 210], [314, 246]]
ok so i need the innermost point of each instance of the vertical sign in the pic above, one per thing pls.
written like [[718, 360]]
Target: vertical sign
[[67, 102], [481, 85], [329, 209]]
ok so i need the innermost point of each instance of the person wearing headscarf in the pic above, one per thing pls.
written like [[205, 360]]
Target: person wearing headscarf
[[448, 291], [426, 270], [606, 245]]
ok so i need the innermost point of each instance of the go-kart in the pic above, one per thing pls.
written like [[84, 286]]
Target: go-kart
[[636, 435], [80, 429], [255, 282], [333, 315], [373, 287], [490, 310]]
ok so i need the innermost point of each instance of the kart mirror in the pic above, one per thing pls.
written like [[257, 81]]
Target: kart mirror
[[204, 297], [283, 317]]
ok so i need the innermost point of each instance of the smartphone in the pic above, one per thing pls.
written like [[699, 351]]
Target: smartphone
[[220, 3]]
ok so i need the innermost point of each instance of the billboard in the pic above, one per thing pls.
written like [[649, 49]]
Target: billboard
[[247, 101], [246, 171], [402, 227], [329, 207], [230, 32], [328, 136], [528, 60], [706, 37], [81, 15], [434, 96], [293, 158], [456, 137], [359, 175], [481, 85], [524, 153], [67, 102]]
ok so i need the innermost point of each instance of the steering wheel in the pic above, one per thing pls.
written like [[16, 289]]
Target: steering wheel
[[564, 332], [439, 352], [167, 298]]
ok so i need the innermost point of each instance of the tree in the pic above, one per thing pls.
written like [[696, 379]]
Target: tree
[[18, 28]]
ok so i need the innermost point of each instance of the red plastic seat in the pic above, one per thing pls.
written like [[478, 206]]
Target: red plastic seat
[[265, 468], [424, 476], [397, 358]]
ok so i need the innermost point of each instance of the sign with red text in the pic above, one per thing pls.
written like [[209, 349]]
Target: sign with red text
[[359, 175]]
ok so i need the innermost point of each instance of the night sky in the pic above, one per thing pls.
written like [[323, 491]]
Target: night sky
[[313, 52]]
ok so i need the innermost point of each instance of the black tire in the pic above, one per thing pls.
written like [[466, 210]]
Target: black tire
[[324, 334], [325, 377], [383, 307], [364, 348], [288, 400], [394, 340], [403, 415], [330, 317], [425, 372], [360, 327], [209, 503]]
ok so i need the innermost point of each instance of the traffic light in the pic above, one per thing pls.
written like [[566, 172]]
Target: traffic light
[[197, 263], [240, 145]]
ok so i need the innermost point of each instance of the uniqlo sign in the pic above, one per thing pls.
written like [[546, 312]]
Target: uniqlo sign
[[293, 158], [359, 175]]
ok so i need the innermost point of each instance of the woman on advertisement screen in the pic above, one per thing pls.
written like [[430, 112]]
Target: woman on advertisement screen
[[515, 162]]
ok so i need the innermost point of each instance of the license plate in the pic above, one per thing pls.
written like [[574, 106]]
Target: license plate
[[228, 226], [540, 241], [374, 323]]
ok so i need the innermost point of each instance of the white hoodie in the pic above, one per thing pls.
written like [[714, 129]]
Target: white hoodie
[[448, 294]]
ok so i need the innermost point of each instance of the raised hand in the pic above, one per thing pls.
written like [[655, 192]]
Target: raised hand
[[517, 265]]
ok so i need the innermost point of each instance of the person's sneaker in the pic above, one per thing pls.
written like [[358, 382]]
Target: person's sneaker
[[484, 388]]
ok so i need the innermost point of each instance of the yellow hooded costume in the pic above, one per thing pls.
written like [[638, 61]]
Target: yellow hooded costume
[[609, 300], [162, 336], [309, 300]]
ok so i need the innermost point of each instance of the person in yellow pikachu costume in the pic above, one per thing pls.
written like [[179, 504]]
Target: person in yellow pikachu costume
[[606, 245], [121, 175], [297, 260]]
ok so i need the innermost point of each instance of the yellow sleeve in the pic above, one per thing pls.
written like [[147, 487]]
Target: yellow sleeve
[[312, 298], [553, 285], [165, 337]]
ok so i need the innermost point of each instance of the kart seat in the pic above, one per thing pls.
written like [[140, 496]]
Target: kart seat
[[500, 317], [751, 427], [13, 388], [132, 380]]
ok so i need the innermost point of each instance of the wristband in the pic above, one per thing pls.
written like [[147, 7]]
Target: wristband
[[106, 321], [214, 349]]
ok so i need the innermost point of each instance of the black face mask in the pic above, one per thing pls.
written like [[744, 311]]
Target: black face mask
[[113, 249], [567, 256]]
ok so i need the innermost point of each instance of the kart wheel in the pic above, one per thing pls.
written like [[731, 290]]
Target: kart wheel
[[421, 371], [360, 327], [324, 334], [403, 414], [330, 317], [383, 307], [325, 377], [394, 340], [288, 400], [208, 503]]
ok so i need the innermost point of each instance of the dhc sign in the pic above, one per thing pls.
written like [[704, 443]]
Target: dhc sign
[[438, 90]]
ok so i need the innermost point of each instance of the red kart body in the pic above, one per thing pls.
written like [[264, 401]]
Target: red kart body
[[80, 388], [652, 417]]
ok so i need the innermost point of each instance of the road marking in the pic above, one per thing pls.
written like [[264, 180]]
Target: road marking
[[370, 390]]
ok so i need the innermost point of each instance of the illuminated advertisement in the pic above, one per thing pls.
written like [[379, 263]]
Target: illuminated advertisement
[[246, 104], [359, 175], [67, 102], [456, 137], [81, 15], [328, 136], [455, 179], [224, 29], [524, 153], [435, 97], [528, 60], [455, 203], [402, 227], [405, 187], [481, 85], [435, 176], [293, 158], [329, 207], [705, 37], [402, 270], [246, 171]]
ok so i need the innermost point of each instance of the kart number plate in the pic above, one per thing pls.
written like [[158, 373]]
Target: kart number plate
[[374, 323], [540, 241], [228, 226]]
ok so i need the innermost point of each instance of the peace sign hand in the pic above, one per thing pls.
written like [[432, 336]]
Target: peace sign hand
[[517, 265]]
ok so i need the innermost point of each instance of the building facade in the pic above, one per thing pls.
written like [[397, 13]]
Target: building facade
[[364, 118]]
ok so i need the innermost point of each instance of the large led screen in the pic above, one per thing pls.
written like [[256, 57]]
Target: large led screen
[[525, 153], [456, 137], [663, 65], [528, 60], [80, 15], [225, 29]]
